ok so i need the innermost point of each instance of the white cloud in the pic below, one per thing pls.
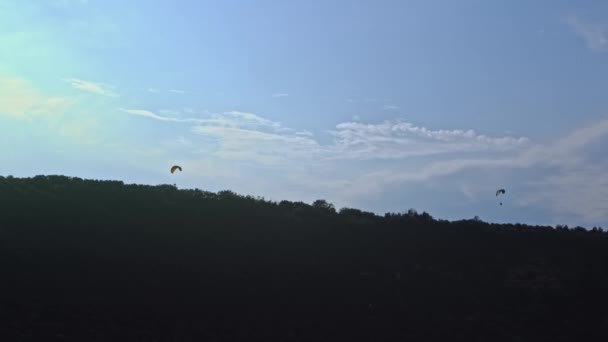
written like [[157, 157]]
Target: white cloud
[[595, 35], [403, 153], [177, 91], [397, 140], [82, 131], [389, 107], [243, 118], [306, 133], [245, 136], [389, 140], [20, 100], [469, 194], [183, 141], [355, 141], [261, 147], [540, 32], [153, 90], [169, 112], [574, 188], [92, 87], [151, 115], [230, 119], [580, 192], [280, 95], [563, 153]]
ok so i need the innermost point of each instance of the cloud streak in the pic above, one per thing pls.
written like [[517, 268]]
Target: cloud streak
[[580, 192], [562, 153], [243, 135], [354, 140], [152, 115], [594, 34], [398, 140], [389, 107], [57, 115], [91, 87], [575, 187], [20, 100]]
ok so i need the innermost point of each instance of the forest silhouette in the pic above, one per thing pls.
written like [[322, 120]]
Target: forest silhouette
[[92, 260]]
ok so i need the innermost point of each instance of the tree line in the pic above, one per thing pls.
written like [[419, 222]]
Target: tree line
[[102, 260]]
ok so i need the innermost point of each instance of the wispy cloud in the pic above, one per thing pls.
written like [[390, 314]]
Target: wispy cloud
[[370, 100], [540, 32], [279, 95], [595, 34], [82, 131], [262, 147], [467, 192], [62, 117], [228, 119], [20, 100], [580, 192], [575, 188], [403, 153], [565, 153], [389, 107], [91, 87], [183, 141], [149, 114], [245, 136], [397, 140], [354, 140], [153, 90], [177, 91], [306, 133]]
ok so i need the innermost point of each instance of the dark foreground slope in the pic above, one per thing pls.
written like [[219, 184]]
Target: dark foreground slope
[[85, 260]]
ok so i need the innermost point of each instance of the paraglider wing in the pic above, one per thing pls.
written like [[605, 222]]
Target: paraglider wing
[[175, 167], [500, 191]]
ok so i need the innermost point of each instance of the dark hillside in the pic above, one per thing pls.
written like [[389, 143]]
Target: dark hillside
[[87, 260]]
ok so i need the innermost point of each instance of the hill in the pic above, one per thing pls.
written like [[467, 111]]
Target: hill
[[89, 260]]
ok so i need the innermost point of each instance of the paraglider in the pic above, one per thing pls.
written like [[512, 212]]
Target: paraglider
[[500, 191], [176, 167]]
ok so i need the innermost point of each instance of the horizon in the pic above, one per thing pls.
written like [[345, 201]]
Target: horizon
[[337, 209], [331, 207], [381, 106]]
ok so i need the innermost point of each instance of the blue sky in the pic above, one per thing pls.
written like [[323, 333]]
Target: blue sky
[[379, 105]]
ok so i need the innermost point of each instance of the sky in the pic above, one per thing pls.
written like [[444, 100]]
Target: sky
[[380, 105]]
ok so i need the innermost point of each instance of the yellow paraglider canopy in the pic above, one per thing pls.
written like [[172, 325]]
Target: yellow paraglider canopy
[[175, 167]]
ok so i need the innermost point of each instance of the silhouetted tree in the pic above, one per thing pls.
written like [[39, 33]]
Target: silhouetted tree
[[323, 204]]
